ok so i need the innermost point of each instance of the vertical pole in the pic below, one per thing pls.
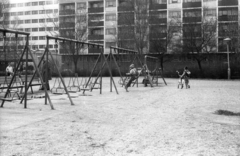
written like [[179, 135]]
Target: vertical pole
[[101, 72], [4, 49], [229, 70], [46, 72], [110, 69], [26, 74], [16, 38]]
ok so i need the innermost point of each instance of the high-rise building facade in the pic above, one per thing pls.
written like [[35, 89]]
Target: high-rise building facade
[[138, 25], [39, 17]]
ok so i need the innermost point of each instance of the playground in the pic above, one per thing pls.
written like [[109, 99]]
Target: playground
[[148, 121]]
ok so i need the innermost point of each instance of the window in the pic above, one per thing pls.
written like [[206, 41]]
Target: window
[[20, 13], [7, 22], [108, 44], [110, 3], [49, 11], [110, 31], [42, 37], [20, 21], [227, 12], [27, 21], [34, 37], [208, 0], [111, 17], [27, 12], [49, 20], [162, 15], [42, 3], [210, 12], [13, 22], [97, 32], [55, 1], [175, 14], [28, 29], [28, 4], [41, 11], [192, 14], [20, 4], [50, 46], [13, 13], [49, 28], [160, 1], [55, 19], [41, 20], [55, 10], [81, 6], [174, 1], [34, 46], [13, 5], [41, 29], [41, 46], [20, 29], [34, 3], [49, 2], [34, 20], [189, 1], [55, 28], [34, 12], [34, 29]]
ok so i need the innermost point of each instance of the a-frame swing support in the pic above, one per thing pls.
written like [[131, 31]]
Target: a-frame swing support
[[26, 51], [104, 61]]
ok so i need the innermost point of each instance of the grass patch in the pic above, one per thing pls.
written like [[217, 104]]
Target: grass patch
[[226, 112]]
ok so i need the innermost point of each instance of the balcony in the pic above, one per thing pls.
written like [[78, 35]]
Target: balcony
[[192, 5], [192, 19], [125, 8], [95, 24], [157, 35], [95, 37], [228, 2], [192, 35], [228, 18], [67, 12], [157, 6], [158, 21], [66, 25], [95, 10]]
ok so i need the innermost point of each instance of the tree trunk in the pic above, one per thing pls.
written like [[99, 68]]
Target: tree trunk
[[200, 68], [75, 66]]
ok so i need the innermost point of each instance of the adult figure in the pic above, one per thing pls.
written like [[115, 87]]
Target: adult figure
[[46, 74]]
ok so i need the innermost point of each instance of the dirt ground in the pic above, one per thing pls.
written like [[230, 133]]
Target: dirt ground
[[158, 121]]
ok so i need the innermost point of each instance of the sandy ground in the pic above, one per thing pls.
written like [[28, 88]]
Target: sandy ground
[[159, 121]]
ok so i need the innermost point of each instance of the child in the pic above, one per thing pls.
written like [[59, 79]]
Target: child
[[132, 73], [9, 70], [185, 76]]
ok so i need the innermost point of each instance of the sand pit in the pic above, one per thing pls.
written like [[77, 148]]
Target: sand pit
[[159, 121]]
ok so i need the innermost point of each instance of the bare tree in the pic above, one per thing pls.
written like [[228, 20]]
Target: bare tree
[[12, 44], [133, 25], [74, 27], [163, 38], [199, 35]]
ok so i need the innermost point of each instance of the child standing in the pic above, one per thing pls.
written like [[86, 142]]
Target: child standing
[[185, 76]]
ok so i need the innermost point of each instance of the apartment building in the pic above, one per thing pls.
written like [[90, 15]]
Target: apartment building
[[113, 22], [38, 17]]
